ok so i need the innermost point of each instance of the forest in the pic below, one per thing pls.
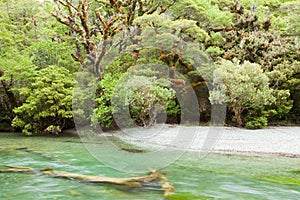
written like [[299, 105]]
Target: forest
[[118, 64]]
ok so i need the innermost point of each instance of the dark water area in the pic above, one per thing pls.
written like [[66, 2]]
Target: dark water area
[[214, 177]]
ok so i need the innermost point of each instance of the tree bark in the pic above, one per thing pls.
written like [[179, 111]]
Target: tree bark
[[11, 102], [238, 115]]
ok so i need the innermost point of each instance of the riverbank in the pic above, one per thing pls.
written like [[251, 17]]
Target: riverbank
[[279, 140], [283, 141]]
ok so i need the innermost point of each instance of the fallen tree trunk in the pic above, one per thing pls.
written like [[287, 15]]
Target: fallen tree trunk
[[134, 182]]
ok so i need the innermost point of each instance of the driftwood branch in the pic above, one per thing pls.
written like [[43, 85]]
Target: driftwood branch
[[133, 182]]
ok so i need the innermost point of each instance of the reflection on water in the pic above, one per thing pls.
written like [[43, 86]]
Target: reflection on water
[[217, 176]]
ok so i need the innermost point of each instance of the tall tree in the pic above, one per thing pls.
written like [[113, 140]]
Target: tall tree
[[93, 24], [18, 31], [28, 45], [253, 39], [242, 86]]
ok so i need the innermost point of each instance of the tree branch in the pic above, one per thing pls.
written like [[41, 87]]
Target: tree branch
[[134, 182]]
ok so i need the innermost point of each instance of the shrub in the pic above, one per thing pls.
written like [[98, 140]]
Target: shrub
[[123, 96], [48, 102], [243, 87], [257, 122]]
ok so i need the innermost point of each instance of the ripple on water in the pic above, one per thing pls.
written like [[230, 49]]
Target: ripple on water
[[220, 176]]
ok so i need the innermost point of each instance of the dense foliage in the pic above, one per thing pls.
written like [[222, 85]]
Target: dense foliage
[[145, 57], [36, 71], [243, 87], [47, 102]]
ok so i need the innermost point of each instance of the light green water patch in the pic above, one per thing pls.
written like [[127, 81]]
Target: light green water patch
[[237, 176], [213, 177], [263, 167], [187, 196], [283, 180]]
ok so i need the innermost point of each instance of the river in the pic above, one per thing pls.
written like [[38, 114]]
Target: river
[[217, 176]]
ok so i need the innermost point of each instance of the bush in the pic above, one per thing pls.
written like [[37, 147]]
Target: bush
[[103, 112], [48, 102], [257, 123], [122, 96], [148, 102], [243, 87]]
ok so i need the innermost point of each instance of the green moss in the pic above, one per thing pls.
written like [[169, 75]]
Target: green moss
[[186, 196], [296, 171], [282, 180]]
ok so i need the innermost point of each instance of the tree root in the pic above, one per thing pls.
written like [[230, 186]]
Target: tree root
[[133, 182]]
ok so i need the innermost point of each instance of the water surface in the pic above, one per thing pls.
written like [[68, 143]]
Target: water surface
[[216, 176]]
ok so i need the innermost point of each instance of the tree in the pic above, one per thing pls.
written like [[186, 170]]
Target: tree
[[206, 12], [48, 102], [242, 86], [251, 38], [286, 21], [18, 31], [28, 44], [145, 97], [133, 94], [93, 24], [179, 44], [48, 53], [174, 44], [16, 73]]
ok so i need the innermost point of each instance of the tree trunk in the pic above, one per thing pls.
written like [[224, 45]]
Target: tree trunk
[[11, 102], [238, 115], [133, 182]]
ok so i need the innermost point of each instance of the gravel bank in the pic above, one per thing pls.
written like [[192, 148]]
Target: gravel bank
[[272, 140]]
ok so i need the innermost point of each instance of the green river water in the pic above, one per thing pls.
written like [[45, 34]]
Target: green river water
[[214, 177]]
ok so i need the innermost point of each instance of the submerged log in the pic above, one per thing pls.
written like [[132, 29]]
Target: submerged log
[[133, 182]]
